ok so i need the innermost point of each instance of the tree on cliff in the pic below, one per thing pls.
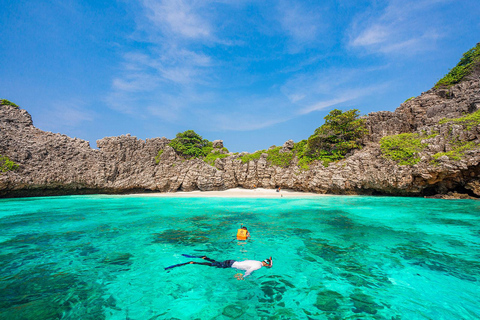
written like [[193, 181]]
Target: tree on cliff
[[191, 145], [341, 133]]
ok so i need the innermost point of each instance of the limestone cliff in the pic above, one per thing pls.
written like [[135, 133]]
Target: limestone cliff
[[54, 164]]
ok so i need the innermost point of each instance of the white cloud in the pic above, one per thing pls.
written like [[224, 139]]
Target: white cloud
[[177, 78], [179, 17], [308, 88], [321, 90], [325, 104], [135, 82], [302, 25], [122, 101], [167, 64], [245, 122], [64, 114], [156, 77], [403, 27], [373, 35], [168, 111], [347, 95], [246, 113]]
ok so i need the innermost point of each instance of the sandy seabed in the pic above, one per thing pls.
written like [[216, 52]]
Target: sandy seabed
[[238, 193]]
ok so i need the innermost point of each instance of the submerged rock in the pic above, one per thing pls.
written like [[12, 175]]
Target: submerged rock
[[328, 300], [121, 259], [233, 311], [49, 294], [364, 303]]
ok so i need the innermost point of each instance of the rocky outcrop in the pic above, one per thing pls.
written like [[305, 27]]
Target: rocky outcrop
[[218, 144], [287, 146], [52, 164], [385, 123], [432, 106]]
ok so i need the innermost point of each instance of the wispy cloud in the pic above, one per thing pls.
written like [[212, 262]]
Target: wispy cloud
[[244, 122], [185, 74], [334, 87], [170, 64], [372, 35], [349, 95], [178, 17], [302, 24], [61, 115], [238, 112], [402, 27], [321, 105]]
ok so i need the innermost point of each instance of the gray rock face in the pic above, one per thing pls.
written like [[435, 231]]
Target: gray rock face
[[218, 144], [436, 104], [385, 123], [52, 164], [287, 146]]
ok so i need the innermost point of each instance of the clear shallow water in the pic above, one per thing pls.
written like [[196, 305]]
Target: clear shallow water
[[103, 257]]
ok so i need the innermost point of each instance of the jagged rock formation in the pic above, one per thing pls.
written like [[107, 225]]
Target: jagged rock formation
[[52, 164]]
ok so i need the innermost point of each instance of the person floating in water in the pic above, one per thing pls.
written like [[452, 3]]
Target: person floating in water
[[248, 265], [242, 233]]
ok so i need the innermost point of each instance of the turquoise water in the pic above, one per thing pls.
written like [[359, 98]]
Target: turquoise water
[[103, 257]]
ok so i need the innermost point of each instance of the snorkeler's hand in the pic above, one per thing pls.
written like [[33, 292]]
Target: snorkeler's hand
[[239, 276]]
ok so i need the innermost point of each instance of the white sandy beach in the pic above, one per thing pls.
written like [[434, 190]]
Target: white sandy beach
[[238, 193]]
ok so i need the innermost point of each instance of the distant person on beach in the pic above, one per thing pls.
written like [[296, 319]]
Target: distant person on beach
[[242, 233], [248, 265]]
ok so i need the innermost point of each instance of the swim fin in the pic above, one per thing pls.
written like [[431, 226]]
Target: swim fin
[[189, 256], [177, 265]]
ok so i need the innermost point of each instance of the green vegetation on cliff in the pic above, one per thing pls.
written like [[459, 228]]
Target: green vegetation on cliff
[[303, 159], [274, 157], [277, 158], [5, 102], [212, 156], [457, 152], [457, 146], [465, 67], [341, 133], [157, 158], [469, 121], [7, 165], [403, 148], [252, 156], [191, 145], [406, 147]]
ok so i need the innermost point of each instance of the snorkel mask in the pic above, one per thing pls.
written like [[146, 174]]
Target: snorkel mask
[[269, 262]]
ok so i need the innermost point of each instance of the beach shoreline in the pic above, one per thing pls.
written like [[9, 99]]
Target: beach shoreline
[[236, 193]]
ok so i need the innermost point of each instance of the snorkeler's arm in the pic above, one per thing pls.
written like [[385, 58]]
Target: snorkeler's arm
[[250, 270]]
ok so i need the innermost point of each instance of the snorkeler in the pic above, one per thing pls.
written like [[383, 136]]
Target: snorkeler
[[248, 265], [242, 233]]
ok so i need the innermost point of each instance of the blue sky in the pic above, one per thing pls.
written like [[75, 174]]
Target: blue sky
[[252, 73]]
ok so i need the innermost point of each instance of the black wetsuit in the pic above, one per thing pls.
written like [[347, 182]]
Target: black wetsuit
[[219, 264]]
